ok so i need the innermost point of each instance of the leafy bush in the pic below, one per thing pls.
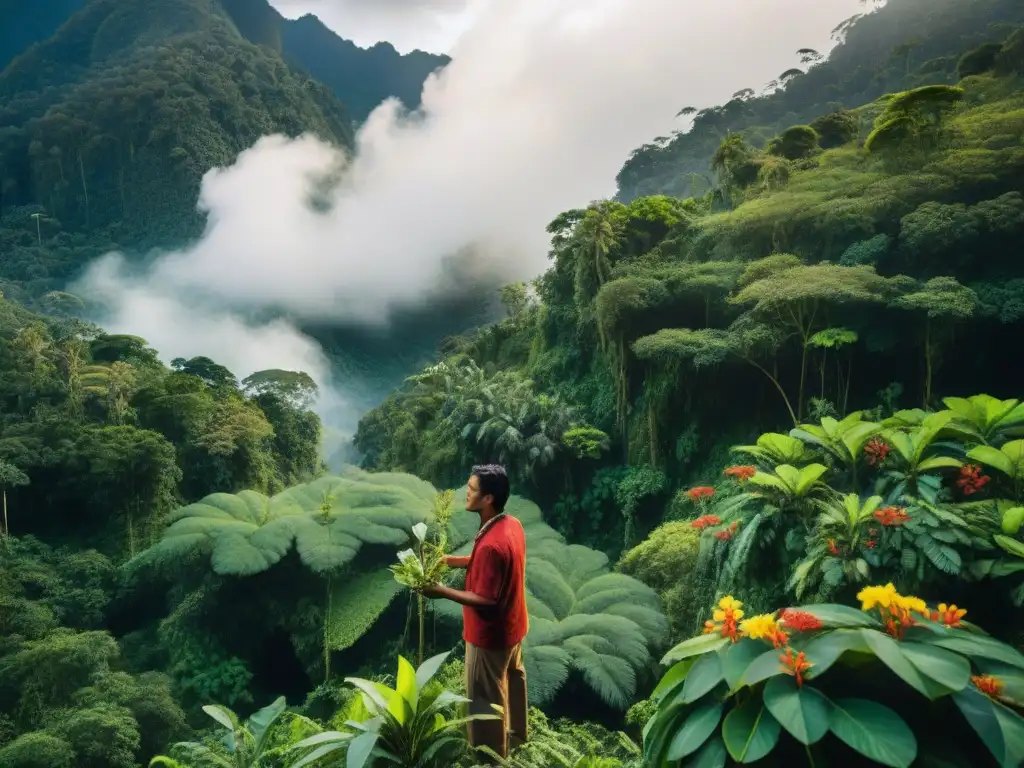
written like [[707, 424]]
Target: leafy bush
[[831, 679]]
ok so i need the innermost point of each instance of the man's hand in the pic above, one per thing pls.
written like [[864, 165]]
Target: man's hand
[[432, 591]]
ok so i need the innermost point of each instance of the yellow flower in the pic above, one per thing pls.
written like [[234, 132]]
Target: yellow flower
[[728, 606], [881, 596], [761, 627], [911, 603]]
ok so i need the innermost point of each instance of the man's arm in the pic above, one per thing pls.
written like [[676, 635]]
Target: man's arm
[[457, 561], [460, 596], [491, 568]]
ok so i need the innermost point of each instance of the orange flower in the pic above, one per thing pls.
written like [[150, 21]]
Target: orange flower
[[891, 516], [700, 492], [949, 615], [799, 621], [703, 522], [741, 472], [990, 685], [832, 548], [795, 664]]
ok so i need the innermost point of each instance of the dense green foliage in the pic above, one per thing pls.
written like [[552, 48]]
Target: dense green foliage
[[888, 47], [761, 393]]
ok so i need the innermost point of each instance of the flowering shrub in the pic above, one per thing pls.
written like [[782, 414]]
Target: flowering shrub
[[751, 685]]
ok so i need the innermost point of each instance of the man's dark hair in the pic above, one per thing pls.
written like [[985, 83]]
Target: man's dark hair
[[493, 482]]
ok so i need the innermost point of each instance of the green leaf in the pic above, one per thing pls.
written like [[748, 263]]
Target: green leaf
[[989, 456], [672, 679], [360, 749], [763, 667], [874, 731], [405, 684], [736, 658], [975, 645], [1012, 520], [711, 755], [429, 668], [801, 710], [697, 728], [695, 646], [890, 653], [705, 675], [834, 615], [946, 668], [221, 715], [1012, 546], [750, 731], [939, 462], [1001, 729], [824, 650]]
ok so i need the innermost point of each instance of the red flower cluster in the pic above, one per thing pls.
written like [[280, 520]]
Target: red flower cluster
[[799, 621], [832, 548], [700, 492], [891, 516], [971, 480], [742, 472], [726, 534], [705, 522], [876, 450]]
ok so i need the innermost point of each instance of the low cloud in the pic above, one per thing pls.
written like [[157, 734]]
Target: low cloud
[[537, 112], [431, 25]]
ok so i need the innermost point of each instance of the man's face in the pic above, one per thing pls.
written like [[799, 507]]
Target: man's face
[[475, 501]]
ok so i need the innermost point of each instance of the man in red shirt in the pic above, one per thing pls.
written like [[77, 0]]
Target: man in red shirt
[[493, 613]]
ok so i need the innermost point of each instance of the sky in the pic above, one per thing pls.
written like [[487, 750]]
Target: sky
[[430, 25], [535, 115]]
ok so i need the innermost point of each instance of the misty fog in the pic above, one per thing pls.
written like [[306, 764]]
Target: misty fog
[[537, 112]]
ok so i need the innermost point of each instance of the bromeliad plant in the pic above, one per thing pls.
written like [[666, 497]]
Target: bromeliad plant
[[404, 726], [806, 682]]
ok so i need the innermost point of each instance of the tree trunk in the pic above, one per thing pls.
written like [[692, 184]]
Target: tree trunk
[[927, 363], [85, 188], [327, 627], [7, 530]]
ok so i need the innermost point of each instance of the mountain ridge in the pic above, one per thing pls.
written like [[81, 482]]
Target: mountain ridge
[[377, 72]]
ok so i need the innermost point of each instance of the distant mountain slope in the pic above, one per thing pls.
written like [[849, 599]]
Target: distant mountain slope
[[361, 77], [904, 44], [113, 121]]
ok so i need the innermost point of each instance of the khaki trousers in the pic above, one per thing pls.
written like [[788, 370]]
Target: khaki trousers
[[496, 677]]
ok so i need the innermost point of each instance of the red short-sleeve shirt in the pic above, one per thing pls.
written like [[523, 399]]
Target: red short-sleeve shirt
[[497, 571]]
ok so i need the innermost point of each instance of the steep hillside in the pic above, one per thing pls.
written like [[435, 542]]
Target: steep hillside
[[109, 126], [360, 77], [900, 45]]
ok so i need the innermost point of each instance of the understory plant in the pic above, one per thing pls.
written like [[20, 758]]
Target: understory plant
[[918, 498], [403, 726], [823, 684]]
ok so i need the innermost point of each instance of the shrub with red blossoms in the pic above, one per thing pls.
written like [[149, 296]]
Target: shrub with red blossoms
[[891, 516], [741, 472], [705, 521], [971, 480], [700, 493], [876, 450]]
